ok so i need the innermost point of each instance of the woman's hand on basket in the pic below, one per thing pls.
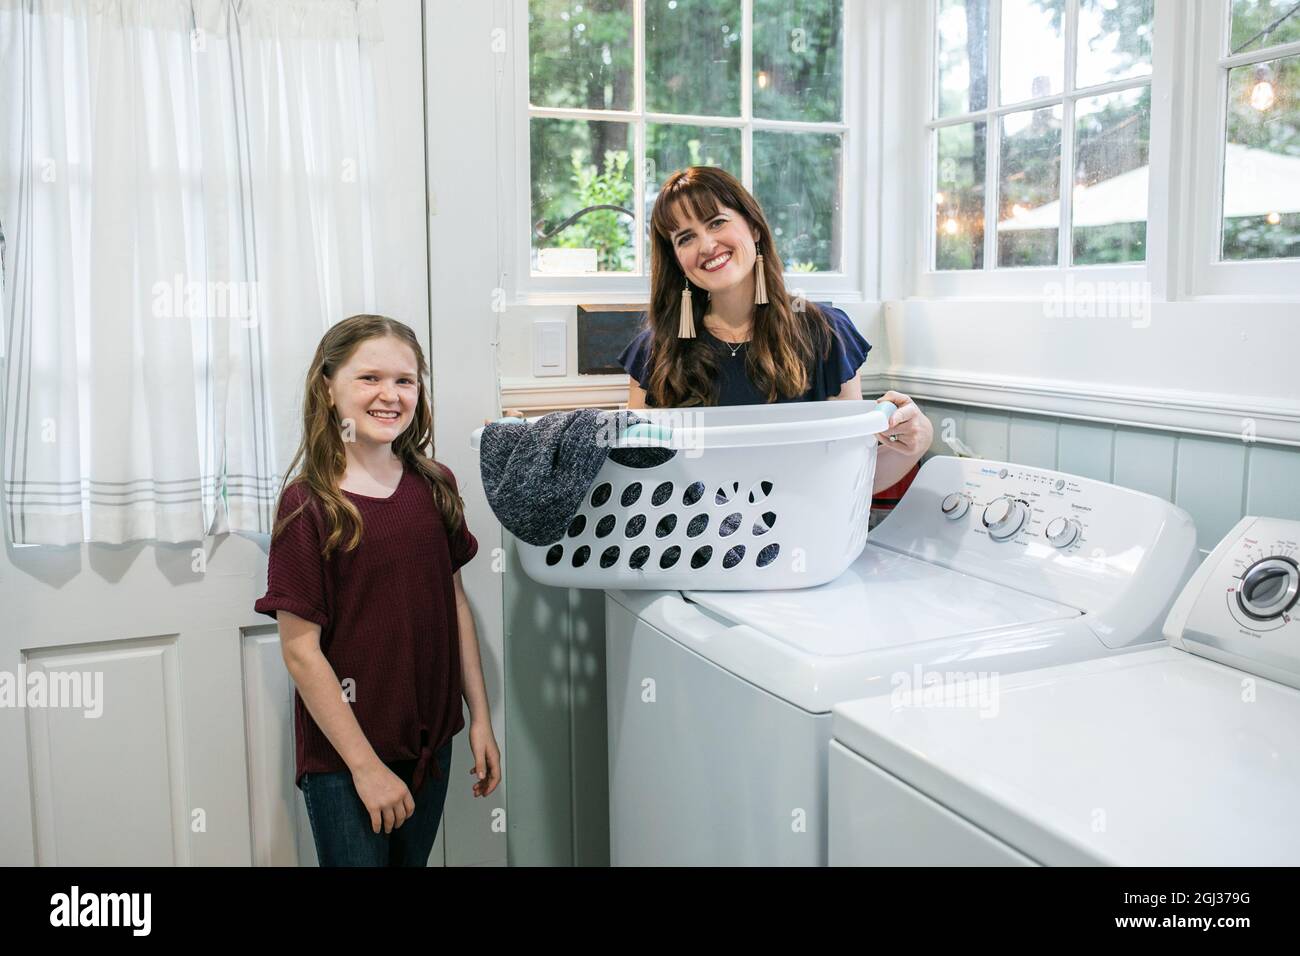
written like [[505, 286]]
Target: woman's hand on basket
[[508, 413], [909, 432]]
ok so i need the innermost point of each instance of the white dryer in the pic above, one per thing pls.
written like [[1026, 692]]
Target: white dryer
[[720, 702], [1185, 754]]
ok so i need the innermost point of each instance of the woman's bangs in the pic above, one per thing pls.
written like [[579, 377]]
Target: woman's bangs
[[696, 197]]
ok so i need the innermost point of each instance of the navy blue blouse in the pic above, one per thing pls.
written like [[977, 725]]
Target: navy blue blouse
[[848, 351]]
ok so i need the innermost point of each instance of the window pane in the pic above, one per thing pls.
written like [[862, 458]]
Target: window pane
[[1109, 204], [1029, 180], [797, 182], [1114, 40], [692, 56], [963, 49], [580, 54], [959, 196], [672, 146], [1033, 49], [1260, 23], [1261, 175], [798, 59], [567, 179]]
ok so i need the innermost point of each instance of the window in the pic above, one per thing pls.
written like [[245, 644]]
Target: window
[[1029, 95], [1259, 213], [623, 92]]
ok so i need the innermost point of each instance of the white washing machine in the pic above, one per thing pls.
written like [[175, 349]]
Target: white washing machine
[[1184, 754], [720, 702]]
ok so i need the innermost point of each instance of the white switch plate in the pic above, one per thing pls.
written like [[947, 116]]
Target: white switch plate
[[550, 347]]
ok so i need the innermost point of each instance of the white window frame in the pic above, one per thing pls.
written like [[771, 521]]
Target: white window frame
[[857, 279], [1038, 281], [1208, 275]]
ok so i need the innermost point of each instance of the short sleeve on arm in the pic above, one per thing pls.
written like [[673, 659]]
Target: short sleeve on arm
[[636, 356], [462, 545], [848, 348], [295, 576]]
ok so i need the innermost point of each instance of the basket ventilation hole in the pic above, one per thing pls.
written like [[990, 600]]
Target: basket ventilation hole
[[662, 494], [605, 525], [697, 526], [665, 526], [669, 557], [609, 557], [580, 556], [631, 493], [576, 526], [693, 493], [701, 557], [601, 494], [725, 493], [553, 556], [733, 557], [768, 555], [635, 525], [760, 491], [729, 524], [638, 558], [762, 526]]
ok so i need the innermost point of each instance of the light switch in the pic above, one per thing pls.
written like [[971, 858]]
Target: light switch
[[550, 347]]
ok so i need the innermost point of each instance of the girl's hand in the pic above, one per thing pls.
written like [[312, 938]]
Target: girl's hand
[[913, 430], [487, 758], [387, 799]]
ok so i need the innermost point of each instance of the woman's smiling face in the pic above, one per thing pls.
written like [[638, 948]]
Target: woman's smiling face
[[715, 253], [377, 388]]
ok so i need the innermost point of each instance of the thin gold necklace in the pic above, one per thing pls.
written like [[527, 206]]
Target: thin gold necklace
[[737, 346]]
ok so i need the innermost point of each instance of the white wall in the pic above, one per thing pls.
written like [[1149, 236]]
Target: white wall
[[461, 75]]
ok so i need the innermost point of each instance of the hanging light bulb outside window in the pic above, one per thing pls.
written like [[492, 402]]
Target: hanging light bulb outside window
[[1262, 96]]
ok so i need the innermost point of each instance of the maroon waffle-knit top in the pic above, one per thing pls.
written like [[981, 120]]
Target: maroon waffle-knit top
[[387, 614]]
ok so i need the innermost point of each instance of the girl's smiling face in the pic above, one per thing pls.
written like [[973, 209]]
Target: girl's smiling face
[[716, 253], [377, 388]]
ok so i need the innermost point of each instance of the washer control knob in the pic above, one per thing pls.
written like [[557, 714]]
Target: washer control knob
[[1004, 518], [1062, 532], [1269, 588], [955, 506]]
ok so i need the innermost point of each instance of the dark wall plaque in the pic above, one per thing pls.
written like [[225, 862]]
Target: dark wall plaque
[[603, 333]]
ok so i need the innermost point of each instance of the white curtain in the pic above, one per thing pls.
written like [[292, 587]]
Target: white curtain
[[192, 191]]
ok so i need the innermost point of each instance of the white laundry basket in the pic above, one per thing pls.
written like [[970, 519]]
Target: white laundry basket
[[756, 497]]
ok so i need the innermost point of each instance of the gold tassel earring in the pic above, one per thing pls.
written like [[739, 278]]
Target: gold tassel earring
[[686, 326], [760, 279]]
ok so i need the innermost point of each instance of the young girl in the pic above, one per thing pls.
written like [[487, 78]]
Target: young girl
[[723, 331], [375, 629]]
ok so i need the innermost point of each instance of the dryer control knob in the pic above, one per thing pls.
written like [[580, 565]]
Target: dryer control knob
[[1269, 588], [1004, 517], [1062, 532], [955, 506]]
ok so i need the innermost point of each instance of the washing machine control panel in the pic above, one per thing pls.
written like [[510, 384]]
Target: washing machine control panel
[[1088, 544], [1243, 605]]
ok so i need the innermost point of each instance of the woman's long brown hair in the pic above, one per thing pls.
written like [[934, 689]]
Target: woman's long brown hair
[[321, 453], [785, 343]]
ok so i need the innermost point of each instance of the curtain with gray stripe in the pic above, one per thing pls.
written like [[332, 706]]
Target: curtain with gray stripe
[[190, 191]]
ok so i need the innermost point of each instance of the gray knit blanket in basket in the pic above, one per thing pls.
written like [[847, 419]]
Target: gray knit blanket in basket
[[536, 474]]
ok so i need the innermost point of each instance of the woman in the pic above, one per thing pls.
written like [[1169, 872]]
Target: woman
[[722, 329]]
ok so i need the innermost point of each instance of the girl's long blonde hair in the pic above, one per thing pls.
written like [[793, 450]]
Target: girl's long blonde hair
[[321, 453]]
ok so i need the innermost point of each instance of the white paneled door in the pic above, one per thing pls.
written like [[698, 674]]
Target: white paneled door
[[147, 714], [172, 741]]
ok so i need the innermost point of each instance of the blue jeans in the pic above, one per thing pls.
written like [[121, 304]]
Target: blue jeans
[[340, 824]]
